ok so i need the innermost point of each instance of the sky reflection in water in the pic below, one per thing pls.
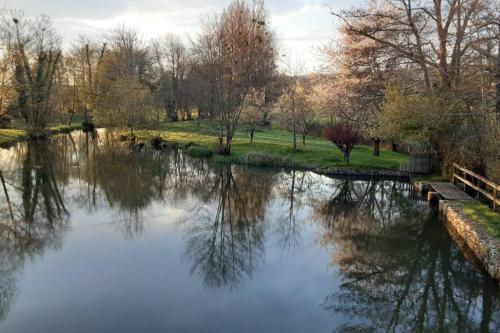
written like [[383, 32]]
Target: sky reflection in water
[[97, 237]]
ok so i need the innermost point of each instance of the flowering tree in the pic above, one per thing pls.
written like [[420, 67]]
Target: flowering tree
[[344, 138]]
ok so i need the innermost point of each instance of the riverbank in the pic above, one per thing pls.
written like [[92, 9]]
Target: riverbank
[[273, 147], [473, 225], [9, 136], [475, 232]]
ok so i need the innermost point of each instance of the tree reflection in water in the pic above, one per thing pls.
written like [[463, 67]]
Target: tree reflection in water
[[294, 188], [399, 270], [225, 236], [34, 217]]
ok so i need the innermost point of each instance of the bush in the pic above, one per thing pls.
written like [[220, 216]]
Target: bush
[[157, 142], [5, 121], [344, 138], [65, 129], [263, 159], [88, 126], [196, 151]]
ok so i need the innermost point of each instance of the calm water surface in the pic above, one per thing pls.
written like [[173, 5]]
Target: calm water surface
[[98, 237]]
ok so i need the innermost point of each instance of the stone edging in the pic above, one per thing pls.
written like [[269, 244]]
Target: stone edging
[[363, 174], [485, 247]]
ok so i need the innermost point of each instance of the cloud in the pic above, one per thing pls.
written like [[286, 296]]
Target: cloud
[[300, 24]]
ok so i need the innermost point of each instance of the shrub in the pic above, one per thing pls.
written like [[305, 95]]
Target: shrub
[[65, 129], [5, 121], [157, 142], [88, 126], [344, 138], [263, 159]]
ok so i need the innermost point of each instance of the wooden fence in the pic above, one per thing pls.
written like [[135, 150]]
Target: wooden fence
[[420, 163], [482, 185]]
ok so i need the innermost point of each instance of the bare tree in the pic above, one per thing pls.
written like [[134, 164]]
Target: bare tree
[[289, 98], [432, 35], [172, 60], [253, 111], [237, 52], [36, 54], [6, 70], [82, 65]]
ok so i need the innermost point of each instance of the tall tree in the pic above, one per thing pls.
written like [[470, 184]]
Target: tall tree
[[432, 35], [36, 54], [171, 58], [237, 52], [82, 64]]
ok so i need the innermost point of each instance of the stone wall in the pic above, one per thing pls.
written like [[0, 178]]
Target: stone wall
[[484, 246]]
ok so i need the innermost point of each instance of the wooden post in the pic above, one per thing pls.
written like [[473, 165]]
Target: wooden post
[[454, 172], [495, 199]]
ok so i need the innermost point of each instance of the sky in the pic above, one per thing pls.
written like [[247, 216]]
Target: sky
[[302, 26]]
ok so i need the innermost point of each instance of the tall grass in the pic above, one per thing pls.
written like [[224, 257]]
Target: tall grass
[[263, 159]]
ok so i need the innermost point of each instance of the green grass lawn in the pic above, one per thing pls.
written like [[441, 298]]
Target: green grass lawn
[[483, 214], [8, 135], [317, 153]]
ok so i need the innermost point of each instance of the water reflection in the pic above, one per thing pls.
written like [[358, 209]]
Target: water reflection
[[398, 268], [225, 235], [33, 216], [394, 266]]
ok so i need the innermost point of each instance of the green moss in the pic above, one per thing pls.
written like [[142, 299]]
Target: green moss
[[483, 214], [317, 153]]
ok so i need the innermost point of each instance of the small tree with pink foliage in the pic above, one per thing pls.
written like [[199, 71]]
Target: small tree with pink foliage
[[343, 137]]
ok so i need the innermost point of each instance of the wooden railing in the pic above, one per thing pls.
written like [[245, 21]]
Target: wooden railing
[[482, 185]]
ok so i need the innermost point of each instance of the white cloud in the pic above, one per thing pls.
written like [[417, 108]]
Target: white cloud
[[301, 25]]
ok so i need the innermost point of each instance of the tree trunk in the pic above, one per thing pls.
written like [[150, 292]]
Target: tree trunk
[[303, 140], [70, 118], [346, 157], [497, 76], [294, 126], [251, 135], [376, 147], [225, 147], [394, 146], [172, 112]]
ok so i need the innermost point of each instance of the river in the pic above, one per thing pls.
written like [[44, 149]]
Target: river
[[97, 236]]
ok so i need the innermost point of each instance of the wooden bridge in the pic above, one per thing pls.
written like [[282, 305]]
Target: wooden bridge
[[449, 191], [462, 179], [487, 188]]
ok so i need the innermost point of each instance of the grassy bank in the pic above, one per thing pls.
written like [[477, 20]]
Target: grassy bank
[[276, 144], [481, 213], [429, 178], [12, 135]]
